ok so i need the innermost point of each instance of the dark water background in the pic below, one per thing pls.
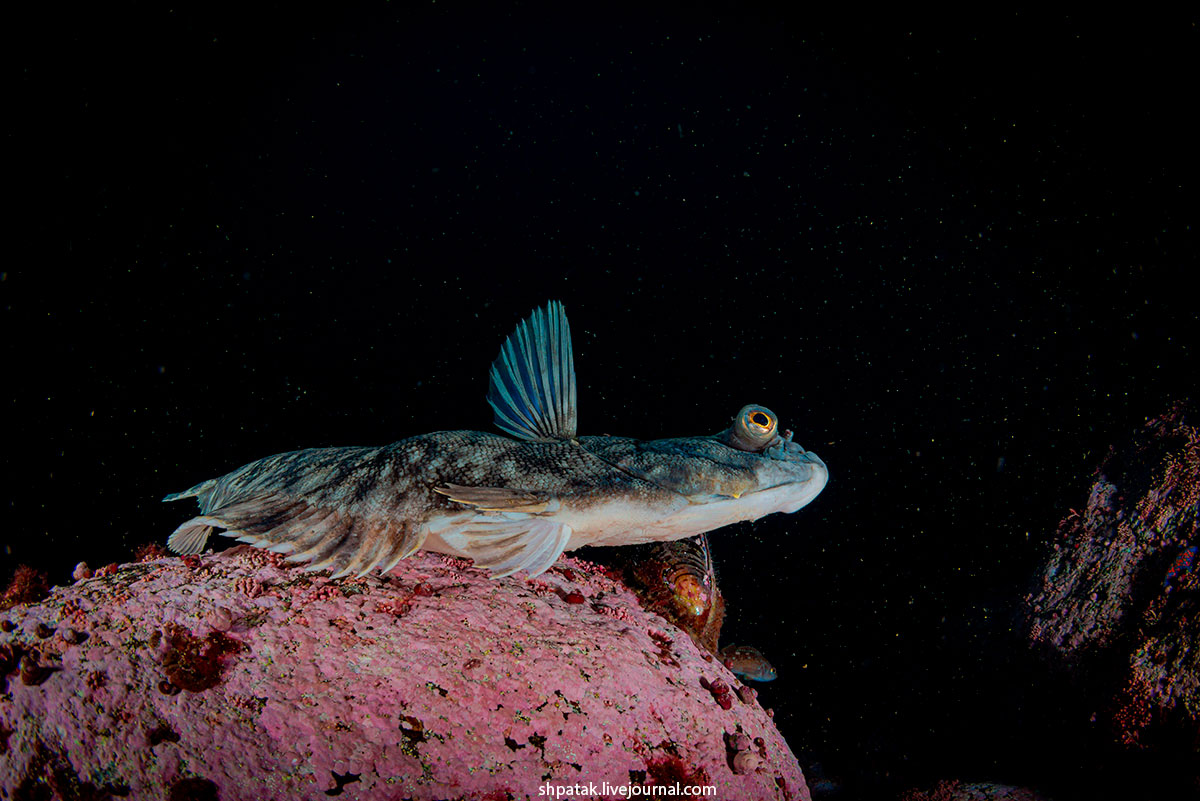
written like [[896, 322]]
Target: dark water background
[[952, 254]]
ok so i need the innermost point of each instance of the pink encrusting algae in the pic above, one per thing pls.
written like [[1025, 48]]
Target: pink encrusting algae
[[235, 676]]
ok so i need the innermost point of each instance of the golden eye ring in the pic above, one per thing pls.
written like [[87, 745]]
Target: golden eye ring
[[755, 428]]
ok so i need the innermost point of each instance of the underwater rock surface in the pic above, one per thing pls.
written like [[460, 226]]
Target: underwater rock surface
[[235, 676], [1122, 585], [951, 790]]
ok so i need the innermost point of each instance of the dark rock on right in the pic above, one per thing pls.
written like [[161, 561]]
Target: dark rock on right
[[1117, 600]]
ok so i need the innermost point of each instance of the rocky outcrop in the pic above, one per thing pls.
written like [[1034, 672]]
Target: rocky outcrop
[[234, 676], [1118, 598]]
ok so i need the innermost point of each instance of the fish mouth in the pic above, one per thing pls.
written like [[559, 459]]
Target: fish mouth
[[786, 467], [792, 475]]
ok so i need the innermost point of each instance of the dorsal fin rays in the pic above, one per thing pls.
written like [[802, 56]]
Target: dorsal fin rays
[[531, 386]]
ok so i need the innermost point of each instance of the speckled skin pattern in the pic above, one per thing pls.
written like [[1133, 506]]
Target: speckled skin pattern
[[237, 675], [359, 501], [353, 509]]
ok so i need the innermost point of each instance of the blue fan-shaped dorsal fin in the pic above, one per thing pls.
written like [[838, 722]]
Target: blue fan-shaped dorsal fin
[[531, 386]]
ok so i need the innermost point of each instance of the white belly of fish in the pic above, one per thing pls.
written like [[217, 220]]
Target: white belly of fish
[[498, 537]]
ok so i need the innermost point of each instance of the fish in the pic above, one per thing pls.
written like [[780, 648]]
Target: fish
[[748, 662], [508, 502]]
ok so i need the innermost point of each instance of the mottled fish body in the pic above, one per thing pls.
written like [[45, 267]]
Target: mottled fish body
[[508, 503]]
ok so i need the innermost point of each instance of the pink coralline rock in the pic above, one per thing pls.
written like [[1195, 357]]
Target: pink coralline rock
[[235, 676]]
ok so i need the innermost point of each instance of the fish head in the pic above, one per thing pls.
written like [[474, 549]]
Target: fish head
[[748, 662], [777, 462], [742, 473]]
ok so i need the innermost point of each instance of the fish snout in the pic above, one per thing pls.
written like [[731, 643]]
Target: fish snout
[[785, 450]]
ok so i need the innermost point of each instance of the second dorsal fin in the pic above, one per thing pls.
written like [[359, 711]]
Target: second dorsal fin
[[531, 386]]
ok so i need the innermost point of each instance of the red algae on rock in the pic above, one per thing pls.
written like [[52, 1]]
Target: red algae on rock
[[188, 685], [193, 663], [148, 552], [26, 586]]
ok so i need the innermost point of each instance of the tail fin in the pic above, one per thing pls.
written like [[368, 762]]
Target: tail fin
[[345, 509], [194, 492]]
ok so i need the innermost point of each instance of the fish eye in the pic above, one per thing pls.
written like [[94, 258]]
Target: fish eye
[[754, 428]]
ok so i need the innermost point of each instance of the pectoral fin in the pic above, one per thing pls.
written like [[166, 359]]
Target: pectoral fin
[[512, 530], [497, 499], [508, 542]]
